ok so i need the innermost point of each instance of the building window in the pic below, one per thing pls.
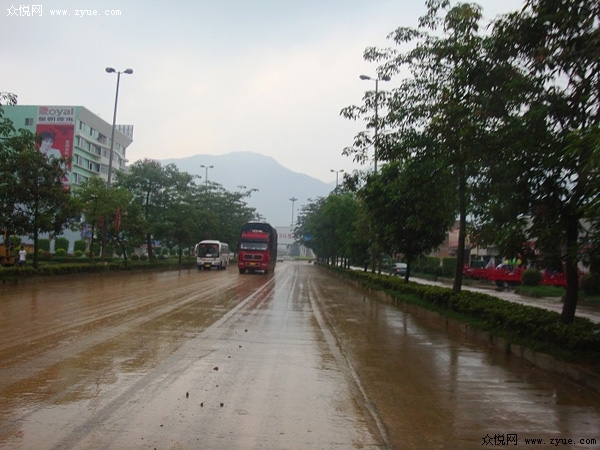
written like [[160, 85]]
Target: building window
[[78, 178], [28, 122], [94, 167]]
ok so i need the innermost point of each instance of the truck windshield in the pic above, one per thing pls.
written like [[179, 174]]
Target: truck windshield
[[257, 246]]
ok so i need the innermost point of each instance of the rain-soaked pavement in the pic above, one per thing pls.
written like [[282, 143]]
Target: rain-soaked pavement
[[294, 360]]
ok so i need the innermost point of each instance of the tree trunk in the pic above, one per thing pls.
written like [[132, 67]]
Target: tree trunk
[[149, 245], [462, 230], [35, 248], [572, 292], [373, 260], [123, 249], [35, 237], [92, 245], [179, 252]]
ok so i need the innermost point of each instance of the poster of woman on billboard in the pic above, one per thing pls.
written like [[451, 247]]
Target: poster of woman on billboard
[[56, 127], [46, 145]]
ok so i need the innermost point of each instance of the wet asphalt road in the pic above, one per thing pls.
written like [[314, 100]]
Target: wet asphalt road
[[294, 360]]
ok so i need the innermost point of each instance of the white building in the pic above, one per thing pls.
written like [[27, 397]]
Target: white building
[[77, 134], [287, 245]]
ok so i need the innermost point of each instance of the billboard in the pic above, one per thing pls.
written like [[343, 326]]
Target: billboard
[[286, 235], [56, 126]]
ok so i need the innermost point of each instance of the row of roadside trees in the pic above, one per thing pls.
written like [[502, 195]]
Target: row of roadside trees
[[149, 203], [495, 125]]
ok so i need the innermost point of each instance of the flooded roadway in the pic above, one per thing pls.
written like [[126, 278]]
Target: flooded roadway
[[295, 360]]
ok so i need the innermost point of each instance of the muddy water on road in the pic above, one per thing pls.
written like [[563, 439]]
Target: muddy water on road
[[435, 390], [297, 360], [190, 360]]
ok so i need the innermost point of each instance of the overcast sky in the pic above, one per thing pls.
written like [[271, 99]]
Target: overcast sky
[[211, 77]]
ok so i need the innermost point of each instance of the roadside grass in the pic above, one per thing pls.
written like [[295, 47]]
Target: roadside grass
[[540, 291], [589, 300], [78, 266]]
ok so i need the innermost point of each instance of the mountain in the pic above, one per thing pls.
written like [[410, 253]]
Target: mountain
[[275, 183]]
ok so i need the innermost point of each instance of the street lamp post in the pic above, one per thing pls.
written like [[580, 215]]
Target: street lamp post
[[336, 175], [374, 257], [114, 124], [206, 173], [377, 80], [293, 200]]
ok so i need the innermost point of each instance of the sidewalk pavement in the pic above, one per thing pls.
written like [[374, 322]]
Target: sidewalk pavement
[[551, 303]]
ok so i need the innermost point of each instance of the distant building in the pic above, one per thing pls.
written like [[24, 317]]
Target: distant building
[[76, 133], [449, 248], [288, 245]]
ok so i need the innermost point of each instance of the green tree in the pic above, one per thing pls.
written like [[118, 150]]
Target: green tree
[[41, 204], [32, 196], [557, 44], [180, 224], [102, 209], [222, 213], [308, 228], [175, 210], [444, 109], [328, 226], [413, 212], [132, 231], [154, 188], [11, 142]]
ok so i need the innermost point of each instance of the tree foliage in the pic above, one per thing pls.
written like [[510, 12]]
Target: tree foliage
[[173, 209], [32, 195], [513, 114], [334, 228], [103, 210], [150, 203], [412, 212], [556, 44], [443, 109], [155, 189]]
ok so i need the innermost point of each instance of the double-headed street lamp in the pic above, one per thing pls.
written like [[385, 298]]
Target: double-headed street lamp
[[336, 175], [377, 80], [206, 173], [114, 124]]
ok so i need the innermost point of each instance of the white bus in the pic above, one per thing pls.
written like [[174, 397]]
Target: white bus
[[211, 254]]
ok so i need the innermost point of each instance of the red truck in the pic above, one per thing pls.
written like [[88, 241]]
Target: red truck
[[257, 249], [506, 275]]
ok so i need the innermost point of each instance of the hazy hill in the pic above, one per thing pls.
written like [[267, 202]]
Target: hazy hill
[[275, 183]]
